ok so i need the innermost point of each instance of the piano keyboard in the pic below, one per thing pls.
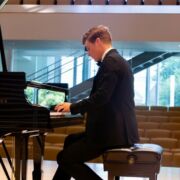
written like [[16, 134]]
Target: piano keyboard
[[59, 114]]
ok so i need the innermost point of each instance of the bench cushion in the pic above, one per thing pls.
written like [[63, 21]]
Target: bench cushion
[[141, 160], [139, 153]]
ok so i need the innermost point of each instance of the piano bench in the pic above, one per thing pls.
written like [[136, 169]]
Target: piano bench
[[141, 160]]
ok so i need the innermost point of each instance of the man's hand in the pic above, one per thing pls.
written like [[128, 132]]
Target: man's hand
[[63, 107]]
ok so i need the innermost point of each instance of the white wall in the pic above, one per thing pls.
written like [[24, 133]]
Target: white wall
[[127, 23]]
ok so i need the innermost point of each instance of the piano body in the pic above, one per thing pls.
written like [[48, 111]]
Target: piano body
[[22, 119], [14, 107]]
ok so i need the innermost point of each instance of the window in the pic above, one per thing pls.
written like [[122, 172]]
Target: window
[[159, 85], [140, 88]]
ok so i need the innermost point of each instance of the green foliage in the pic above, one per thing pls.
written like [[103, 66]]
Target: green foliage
[[164, 92], [45, 97], [177, 89], [49, 98], [29, 92], [169, 67]]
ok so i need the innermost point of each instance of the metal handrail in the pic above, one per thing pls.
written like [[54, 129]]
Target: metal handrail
[[62, 72], [40, 70]]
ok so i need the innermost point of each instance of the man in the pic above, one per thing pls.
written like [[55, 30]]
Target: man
[[110, 119]]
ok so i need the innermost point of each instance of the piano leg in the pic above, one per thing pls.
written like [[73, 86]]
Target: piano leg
[[21, 155], [18, 146], [38, 153], [24, 156]]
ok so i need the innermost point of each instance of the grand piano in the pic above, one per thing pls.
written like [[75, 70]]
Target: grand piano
[[22, 119]]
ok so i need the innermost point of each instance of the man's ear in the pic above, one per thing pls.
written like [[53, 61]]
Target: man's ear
[[98, 42]]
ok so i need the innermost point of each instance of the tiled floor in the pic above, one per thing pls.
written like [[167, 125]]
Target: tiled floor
[[49, 167]]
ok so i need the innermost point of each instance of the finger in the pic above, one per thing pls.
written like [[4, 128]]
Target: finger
[[60, 109], [57, 106]]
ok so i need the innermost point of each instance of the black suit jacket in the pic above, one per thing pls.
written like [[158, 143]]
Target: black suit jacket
[[111, 118]]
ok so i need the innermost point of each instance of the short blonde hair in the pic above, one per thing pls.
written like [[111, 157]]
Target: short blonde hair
[[100, 31]]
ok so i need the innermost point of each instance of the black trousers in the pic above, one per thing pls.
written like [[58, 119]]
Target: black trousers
[[72, 158]]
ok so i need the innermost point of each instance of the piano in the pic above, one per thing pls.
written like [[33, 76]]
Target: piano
[[22, 119]]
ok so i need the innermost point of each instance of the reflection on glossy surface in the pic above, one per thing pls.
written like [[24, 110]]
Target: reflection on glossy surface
[[49, 168]]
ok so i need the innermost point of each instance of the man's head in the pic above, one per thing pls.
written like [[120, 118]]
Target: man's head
[[96, 41]]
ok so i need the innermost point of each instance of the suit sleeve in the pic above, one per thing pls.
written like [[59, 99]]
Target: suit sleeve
[[105, 87]]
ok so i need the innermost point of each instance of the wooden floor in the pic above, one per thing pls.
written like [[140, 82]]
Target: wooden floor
[[49, 168]]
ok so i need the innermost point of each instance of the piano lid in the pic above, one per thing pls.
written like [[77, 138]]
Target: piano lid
[[3, 60]]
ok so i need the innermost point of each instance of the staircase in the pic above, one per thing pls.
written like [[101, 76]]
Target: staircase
[[138, 63], [147, 59]]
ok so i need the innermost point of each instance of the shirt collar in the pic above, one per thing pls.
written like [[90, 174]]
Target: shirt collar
[[104, 54]]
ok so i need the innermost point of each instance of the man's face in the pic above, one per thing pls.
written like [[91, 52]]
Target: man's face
[[93, 50]]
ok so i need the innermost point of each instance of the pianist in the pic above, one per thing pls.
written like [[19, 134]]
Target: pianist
[[110, 119]]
